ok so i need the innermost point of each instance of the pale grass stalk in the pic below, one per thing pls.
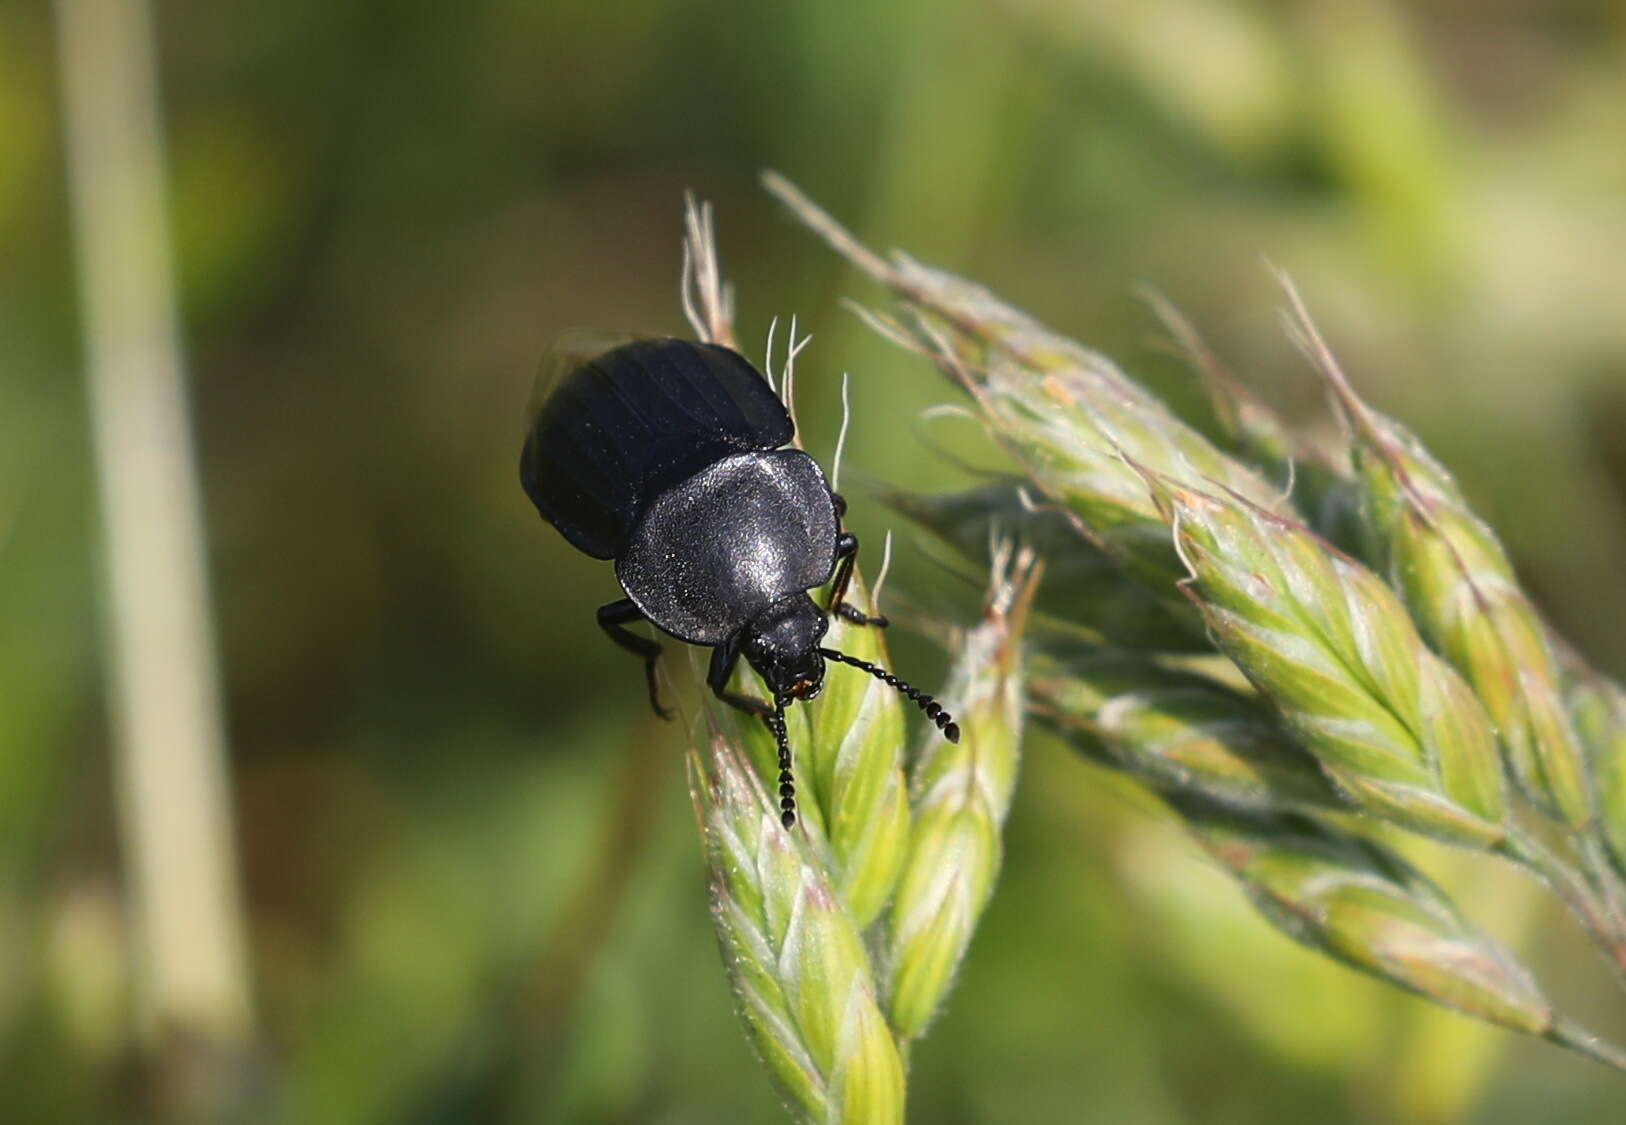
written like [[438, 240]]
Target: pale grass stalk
[[172, 785]]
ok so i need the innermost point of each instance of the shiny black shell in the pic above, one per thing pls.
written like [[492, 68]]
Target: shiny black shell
[[622, 428], [715, 551]]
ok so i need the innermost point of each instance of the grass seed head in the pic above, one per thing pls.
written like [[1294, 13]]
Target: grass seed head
[[1357, 901], [1175, 730], [795, 958], [1064, 411], [856, 737], [1072, 430], [961, 793], [1252, 425], [847, 748], [1598, 708], [1084, 588], [1327, 642], [1457, 581]]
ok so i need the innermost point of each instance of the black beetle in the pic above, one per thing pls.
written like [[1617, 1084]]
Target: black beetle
[[666, 456]]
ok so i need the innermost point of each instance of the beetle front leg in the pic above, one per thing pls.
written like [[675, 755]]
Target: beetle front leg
[[723, 659], [847, 552], [614, 619]]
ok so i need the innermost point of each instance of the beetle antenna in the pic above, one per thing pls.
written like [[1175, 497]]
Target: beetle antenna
[[933, 709], [787, 785]]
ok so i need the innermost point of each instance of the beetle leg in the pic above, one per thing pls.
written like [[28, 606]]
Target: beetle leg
[[614, 619], [723, 659], [847, 552], [840, 502]]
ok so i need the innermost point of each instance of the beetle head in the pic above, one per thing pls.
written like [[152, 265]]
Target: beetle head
[[782, 644]]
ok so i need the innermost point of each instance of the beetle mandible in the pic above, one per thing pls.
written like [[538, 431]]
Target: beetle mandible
[[667, 457]]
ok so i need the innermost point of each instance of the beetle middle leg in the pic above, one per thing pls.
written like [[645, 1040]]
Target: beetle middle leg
[[614, 619], [847, 552]]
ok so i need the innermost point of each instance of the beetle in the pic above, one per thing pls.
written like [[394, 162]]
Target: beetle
[[668, 457]]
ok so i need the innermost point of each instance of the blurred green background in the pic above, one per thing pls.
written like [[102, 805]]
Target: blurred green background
[[473, 890]]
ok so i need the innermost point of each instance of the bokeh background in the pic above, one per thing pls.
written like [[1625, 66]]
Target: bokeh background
[[472, 889]]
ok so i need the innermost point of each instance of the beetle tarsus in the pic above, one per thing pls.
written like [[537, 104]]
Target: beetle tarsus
[[746, 703], [614, 619], [850, 612], [654, 692]]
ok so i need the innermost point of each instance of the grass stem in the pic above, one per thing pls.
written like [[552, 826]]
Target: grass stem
[[1576, 892], [171, 762], [1573, 1037]]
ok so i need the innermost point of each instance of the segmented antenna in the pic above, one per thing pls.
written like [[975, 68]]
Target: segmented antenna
[[787, 786], [934, 710]]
